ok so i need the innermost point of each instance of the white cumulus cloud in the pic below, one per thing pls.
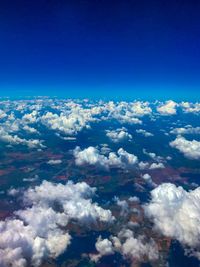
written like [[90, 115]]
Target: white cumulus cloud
[[190, 149], [176, 213]]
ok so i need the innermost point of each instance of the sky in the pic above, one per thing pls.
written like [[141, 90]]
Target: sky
[[147, 49]]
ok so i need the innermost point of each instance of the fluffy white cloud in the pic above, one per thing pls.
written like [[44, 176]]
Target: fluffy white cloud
[[126, 112], [140, 108], [9, 131], [154, 166], [186, 130], [30, 129], [71, 120], [104, 246], [190, 149], [119, 135], [168, 108], [190, 107], [16, 140], [148, 179], [92, 156], [39, 230], [128, 245], [176, 213], [136, 248], [31, 117]]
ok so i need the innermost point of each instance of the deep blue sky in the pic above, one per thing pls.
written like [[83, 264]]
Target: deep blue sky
[[100, 48]]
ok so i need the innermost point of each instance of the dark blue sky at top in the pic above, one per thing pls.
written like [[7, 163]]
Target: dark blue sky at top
[[100, 48]]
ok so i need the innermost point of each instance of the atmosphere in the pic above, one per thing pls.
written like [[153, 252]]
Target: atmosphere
[[100, 49]]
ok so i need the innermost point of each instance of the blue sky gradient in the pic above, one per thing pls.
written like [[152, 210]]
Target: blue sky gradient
[[100, 49]]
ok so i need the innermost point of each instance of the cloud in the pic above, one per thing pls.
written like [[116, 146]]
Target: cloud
[[92, 156], [2, 114], [136, 248], [190, 149], [67, 118], [118, 135], [176, 213], [186, 130], [144, 132], [148, 179], [122, 204], [125, 112], [16, 140], [169, 108], [127, 245], [9, 131], [189, 107], [39, 230], [31, 117], [54, 162], [152, 155], [154, 166], [104, 246], [140, 108], [72, 119]]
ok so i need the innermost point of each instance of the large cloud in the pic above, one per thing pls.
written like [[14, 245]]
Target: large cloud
[[39, 230], [190, 149], [176, 213], [92, 156]]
